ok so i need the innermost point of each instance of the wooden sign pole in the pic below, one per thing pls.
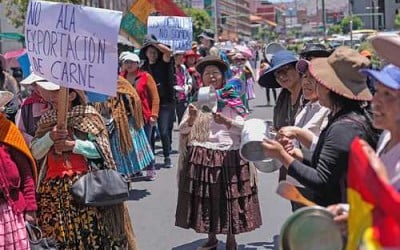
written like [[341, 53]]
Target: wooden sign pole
[[62, 109]]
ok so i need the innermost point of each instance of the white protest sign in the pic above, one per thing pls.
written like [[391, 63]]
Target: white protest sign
[[74, 46], [175, 31]]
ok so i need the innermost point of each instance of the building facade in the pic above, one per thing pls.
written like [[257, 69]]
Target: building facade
[[231, 18], [264, 9], [377, 14], [391, 9], [234, 19]]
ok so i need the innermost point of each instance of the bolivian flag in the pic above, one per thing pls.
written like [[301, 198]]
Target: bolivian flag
[[134, 23], [374, 217]]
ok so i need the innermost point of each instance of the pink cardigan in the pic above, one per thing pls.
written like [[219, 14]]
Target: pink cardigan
[[17, 186]]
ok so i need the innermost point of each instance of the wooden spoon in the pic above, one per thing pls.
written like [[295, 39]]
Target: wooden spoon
[[290, 192]]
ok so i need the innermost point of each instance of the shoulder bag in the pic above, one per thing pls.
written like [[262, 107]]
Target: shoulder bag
[[39, 243], [100, 187]]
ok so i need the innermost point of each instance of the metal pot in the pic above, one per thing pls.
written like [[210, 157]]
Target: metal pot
[[253, 133], [207, 99], [310, 228]]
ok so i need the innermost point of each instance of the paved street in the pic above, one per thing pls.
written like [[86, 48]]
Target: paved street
[[152, 206]]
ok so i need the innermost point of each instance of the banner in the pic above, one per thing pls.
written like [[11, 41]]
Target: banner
[[174, 31], [74, 46], [134, 22]]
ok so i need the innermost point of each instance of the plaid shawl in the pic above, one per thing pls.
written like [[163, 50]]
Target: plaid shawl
[[86, 119]]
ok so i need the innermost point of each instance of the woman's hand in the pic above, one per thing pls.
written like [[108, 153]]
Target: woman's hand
[[273, 148], [290, 148], [153, 121], [341, 216], [30, 217], [289, 132], [57, 134], [64, 145], [286, 142], [193, 113], [221, 119]]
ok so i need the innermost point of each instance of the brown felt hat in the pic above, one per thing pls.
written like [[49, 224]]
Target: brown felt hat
[[340, 73], [211, 60], [388, 48]]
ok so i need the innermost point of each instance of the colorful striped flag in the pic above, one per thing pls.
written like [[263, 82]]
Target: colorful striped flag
[[134, 23], [374, 217]]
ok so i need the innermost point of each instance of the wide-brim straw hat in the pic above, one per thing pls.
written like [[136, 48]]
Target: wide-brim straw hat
[[211, 60], [5, 97], [388, 48], [340, 73]]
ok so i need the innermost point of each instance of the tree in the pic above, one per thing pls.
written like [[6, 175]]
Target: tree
[[16, 10], [345, 24], [397, 21], [201, 20], [335, 29]]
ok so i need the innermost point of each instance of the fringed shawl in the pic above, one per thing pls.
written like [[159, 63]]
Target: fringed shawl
[[127, 103], [84, 118]]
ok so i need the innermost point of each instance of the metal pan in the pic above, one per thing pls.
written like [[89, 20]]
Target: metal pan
[[310, 228]]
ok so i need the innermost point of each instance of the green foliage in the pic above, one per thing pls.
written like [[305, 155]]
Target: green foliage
[[397, 21], [16, 10], [375, 60], [345, 24], [296, 48], [265, 34], [201, 20], [335, 29], [366, 46]]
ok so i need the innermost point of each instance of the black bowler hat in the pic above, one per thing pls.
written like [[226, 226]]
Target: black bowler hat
[[211, 60], [314, 50]]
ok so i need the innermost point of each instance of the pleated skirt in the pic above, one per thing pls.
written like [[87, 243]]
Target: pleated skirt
[[216, 194], [138, 158], [13, 234]]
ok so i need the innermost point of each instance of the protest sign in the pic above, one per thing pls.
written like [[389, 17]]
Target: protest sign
[[174, 31], [74, 46]]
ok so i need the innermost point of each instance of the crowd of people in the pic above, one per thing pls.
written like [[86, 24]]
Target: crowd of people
[[324, 103]]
